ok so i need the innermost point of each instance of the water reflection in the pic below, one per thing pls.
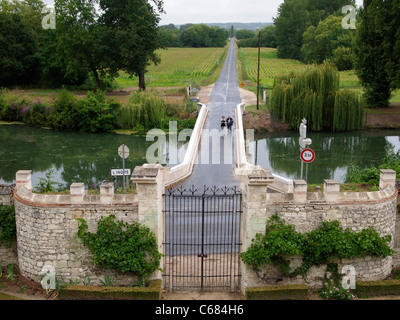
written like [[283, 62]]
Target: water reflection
[[74, 157], [280, 152]]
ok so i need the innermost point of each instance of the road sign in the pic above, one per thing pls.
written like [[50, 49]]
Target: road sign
[[120, 172], [123, 151], [307, 155]]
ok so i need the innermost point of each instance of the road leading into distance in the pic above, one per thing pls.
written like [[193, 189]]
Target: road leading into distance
[[215, 167]]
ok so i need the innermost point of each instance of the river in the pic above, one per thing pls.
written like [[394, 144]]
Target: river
[[89, 158], [280, 153]]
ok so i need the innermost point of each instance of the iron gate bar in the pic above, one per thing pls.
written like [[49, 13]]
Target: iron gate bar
[[209, 221]]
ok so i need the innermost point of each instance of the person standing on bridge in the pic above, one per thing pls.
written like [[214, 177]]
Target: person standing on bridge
[[223, 125], [229, 123]]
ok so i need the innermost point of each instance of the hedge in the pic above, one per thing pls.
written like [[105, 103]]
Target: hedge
[[79, 292], [278, 292], [365, 289]]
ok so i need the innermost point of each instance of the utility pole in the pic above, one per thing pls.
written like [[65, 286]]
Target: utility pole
[[258, 72]]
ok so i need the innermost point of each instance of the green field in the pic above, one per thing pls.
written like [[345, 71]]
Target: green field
[[271, 66], [180, 67]]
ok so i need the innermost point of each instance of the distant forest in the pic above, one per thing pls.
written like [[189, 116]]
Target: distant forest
[[216, 34]]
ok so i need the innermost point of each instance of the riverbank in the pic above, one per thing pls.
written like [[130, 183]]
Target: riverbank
[[261, 120]]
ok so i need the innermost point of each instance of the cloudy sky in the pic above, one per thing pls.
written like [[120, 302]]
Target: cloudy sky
[[210, 11]]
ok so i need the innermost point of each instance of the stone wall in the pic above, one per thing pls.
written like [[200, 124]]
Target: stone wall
[[47, 230], [6, 194], [306, 211]]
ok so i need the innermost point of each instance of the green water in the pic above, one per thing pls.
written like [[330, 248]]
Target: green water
[[89, 158], [280, 152], [74, 157]]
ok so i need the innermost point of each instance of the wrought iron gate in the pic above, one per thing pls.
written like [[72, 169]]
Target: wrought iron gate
[[202, 239]]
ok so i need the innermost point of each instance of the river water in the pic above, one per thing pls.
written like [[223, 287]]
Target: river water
[[280, 152], [72, 156], [89, 158]]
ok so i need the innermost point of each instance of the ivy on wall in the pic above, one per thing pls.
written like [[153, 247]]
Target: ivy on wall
[[122, 246], [321, 246], [7, 225]]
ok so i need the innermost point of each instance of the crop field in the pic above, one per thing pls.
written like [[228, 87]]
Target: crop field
[[271, 66], [180, 67]]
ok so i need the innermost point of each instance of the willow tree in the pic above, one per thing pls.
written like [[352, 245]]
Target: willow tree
[[314, 94]]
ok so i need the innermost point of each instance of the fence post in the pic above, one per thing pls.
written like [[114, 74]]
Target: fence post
[[253, 186], [150, 188], [24, 178]]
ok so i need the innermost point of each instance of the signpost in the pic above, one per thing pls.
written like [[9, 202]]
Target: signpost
[[123, 152], [306, 155]]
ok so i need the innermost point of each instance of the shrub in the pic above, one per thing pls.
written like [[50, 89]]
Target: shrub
[[7, 225], [143, 111], [36, 114], [94, 114], [317, 247], [122, 246], [63, 114], [314, 94]]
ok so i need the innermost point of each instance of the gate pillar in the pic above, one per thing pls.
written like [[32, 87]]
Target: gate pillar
[[254, 182], [149, 188]]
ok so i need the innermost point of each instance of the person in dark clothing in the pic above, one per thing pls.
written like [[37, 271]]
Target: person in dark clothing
[[223, 125], [229, 123]]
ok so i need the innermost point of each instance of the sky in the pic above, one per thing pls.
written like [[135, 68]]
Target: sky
[[212, 11]]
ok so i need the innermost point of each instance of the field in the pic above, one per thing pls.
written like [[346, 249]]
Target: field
[[180, 67], [271, 66]]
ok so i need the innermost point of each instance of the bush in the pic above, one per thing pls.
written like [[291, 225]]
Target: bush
[[63, 114], [314, 95], [371, 175], [7, 225], [36, 115], [317, 247], [143, 111], [92, 114], [121, 246]]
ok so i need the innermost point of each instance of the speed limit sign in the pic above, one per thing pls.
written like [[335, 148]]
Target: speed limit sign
[[307, 155]]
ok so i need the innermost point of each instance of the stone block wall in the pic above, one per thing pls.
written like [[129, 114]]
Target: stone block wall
[[47, 231], [306, 211]]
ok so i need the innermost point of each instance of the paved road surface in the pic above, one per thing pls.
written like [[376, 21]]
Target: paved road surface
[[214, 167]]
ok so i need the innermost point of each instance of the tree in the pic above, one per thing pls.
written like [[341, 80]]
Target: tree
[[131, 30], [320, 43], [79, 38], [295, 16], [268, 38], [18, 45], [293, 19], [377, 50], [122, 36], [201, 35], [244, 34]]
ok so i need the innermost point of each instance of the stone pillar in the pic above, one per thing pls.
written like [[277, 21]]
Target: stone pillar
[[107, 193], [24, 178], [331, 190], [299, 191], [77, 192], [387, 177], [150, 189], [254, 218]]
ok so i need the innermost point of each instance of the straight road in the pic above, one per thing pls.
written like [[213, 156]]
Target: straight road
[[202, 229], [216, 160]]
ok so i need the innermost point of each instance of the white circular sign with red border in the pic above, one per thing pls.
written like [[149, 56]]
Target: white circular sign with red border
[[307, 155]]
